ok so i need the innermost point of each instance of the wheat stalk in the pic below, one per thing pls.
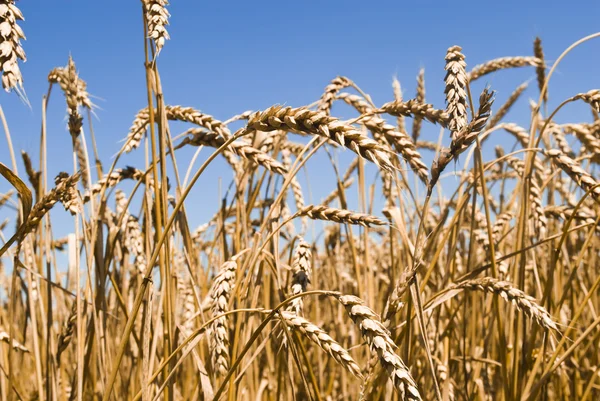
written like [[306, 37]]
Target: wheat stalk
[[503, 110]]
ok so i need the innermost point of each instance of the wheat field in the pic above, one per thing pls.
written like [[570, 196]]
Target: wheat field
[[452, 275]]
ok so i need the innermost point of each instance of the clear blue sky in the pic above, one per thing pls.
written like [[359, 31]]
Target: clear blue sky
[[227, 57]]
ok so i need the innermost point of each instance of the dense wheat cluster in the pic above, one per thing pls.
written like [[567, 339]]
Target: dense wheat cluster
[[480, 287]]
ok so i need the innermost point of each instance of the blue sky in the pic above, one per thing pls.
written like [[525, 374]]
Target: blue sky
[[227, 57]]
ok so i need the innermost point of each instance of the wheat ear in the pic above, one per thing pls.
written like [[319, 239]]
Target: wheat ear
[[522, 301], [380, 341], [305, 121], [322, 212], [220, 292], [10, 45], [302, 270], [456, 95], [323, 340]]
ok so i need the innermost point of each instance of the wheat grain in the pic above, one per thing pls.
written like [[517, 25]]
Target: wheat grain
[[199, 137], [379, 340], [574, 170], [414, 108], [456, 95], [522, 301], [463, 139], [398, 97], [10, 46], [179, 113], [540, 70], [323, 340], [326, 101], [220, 293], [420, 97], [302, 272], [501, 64], [304, 121], [157, 18], [321, 212]]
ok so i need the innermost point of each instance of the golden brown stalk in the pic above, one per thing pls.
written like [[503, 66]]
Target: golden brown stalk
[[198, 137], [539, 220], [331, 90], [540, 70], [323, 340], [518, 298], [295, 185], [398, 97], [456, 95], [336, 192], [502, 63], [502, 110], [10, 45], [321, 212], [574, 170], [591, 97], [463, 139], [157, 18], [81, 161], [305, 121], [420, 97], [179, 113], [379, 340], [518, 132], [302, 270], [481, 236], [220, 292], [414, 108]]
